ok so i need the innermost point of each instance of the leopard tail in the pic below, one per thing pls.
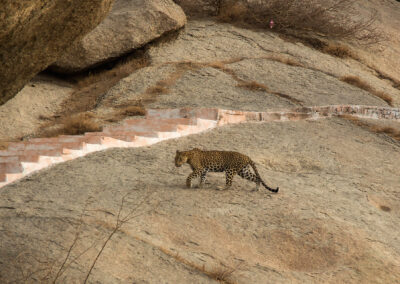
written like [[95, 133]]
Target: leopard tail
[[253, 165]]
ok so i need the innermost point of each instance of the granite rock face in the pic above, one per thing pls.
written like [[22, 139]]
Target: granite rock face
[[130, 25], [33, 34]]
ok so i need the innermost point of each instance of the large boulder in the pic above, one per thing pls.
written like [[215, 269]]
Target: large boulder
[[130, 25], [34, 33]]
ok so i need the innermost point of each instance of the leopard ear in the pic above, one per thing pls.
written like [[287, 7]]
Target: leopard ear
[[177, 151]]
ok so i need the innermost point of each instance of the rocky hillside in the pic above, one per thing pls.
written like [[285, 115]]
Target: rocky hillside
[[125, 216]]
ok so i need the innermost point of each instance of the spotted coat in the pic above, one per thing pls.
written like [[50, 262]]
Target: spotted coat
[[231, 163]]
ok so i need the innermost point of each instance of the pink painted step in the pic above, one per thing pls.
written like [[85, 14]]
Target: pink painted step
[[16, 146], [33, 156], [9, 159], [203, 113], [11, 167], [100, 138], [157, 121], [121, 129], [146, 126]]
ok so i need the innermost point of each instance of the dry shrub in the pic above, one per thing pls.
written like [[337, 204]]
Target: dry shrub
[[356, 81], [333, 18], [79, 124], [339, 50]]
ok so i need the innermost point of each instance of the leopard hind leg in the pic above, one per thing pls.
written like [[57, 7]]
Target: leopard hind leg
[[229, 173], [247, 174]]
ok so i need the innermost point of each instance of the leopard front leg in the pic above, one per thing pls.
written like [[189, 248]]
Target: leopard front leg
[[203, 179], [196, 173]]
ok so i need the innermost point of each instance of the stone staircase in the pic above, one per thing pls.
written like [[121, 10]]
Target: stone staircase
[[23, 158]]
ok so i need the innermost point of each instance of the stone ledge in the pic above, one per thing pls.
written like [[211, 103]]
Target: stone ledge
[[23, 158]]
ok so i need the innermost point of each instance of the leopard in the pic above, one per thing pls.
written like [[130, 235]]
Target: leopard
[[230, 162]]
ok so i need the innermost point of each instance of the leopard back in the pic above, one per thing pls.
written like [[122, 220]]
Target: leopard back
[[213, 161]]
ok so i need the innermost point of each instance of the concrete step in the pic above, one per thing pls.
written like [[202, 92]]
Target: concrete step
[[185, 121], [11, 167], [121, 131], [6, 153], [16, 146], [13, 176], [71, 138], [9, 159], [168, 113], [204, 113]]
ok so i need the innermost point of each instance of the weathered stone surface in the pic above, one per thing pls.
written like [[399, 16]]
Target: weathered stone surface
[[130, 25], [209, 62], [33, 34], [333, 221]]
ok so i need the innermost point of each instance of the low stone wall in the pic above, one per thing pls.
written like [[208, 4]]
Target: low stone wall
[[317, 112], [23, 158]]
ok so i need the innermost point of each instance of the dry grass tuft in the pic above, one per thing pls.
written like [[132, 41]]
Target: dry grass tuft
[[79, 124], [394, 133], [313, 42], [356, 81], [124, 111], [394, 82], [133, 111], [221, 274], [217, 65], [286, 60], [156, 90], [387, 98], [253, 86], [339, 50]]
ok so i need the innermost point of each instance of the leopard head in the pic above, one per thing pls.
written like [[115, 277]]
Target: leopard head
[[180, 158]]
